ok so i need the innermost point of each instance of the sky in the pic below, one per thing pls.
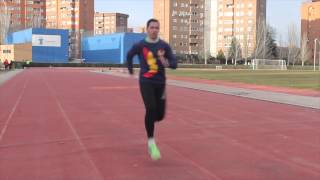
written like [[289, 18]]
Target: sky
[[280, 13], [139, 11]]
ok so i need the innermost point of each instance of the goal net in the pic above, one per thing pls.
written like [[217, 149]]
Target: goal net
[[268, 64]]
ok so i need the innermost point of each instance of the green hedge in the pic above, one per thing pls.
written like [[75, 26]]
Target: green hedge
[[20, 65]]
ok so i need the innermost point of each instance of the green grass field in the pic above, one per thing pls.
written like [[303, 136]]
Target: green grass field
[[290, 78]]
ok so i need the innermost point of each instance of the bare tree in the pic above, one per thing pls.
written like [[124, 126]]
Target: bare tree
[[235, 51], [304, 50], [247, 40], [260, 40], [293, 44], [281, 45], [4, 23], [35, 21], [266, 48], [246, 47]]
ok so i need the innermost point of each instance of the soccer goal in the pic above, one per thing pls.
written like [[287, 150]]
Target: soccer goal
[[268, 64]]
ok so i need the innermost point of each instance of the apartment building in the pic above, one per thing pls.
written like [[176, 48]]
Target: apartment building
[[106, 23], [236, 18], [21, 14], [207, 26], [310, 23], [182, 24], [75, 15]]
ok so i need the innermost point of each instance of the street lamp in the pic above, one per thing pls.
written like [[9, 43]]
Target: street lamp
[[315, 55], [206, 20], [81, 39]]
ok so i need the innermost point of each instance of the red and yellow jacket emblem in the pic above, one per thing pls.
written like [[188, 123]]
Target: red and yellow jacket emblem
[[152, 63]]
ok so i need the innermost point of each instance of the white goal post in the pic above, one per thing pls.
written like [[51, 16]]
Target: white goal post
[[268, 64]]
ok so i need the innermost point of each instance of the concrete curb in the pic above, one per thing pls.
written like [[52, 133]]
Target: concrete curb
[[296, 100]]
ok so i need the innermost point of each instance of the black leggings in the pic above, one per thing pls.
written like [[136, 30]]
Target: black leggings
[[154, 99]]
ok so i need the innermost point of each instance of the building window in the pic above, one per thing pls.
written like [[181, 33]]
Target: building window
[[228, 22], [6, 51], [228, 14], [174, 13]]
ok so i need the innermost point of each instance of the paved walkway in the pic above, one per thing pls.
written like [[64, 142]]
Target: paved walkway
[[297, 100], [6, 75]]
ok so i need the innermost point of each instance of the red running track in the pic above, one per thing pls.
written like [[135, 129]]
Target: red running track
[[73, 124]]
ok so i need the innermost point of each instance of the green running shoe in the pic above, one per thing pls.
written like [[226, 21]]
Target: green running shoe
[[154, 152]]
